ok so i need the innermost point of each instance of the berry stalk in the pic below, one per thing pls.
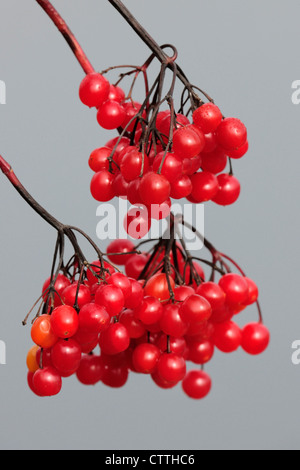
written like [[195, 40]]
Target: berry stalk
[[67, 34]]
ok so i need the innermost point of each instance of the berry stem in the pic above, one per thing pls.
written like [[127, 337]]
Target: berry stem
[[67, 34]]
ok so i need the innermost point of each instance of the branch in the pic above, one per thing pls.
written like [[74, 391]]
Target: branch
[[67, 34]]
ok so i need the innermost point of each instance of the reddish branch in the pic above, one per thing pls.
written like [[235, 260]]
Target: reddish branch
[[68, 35]]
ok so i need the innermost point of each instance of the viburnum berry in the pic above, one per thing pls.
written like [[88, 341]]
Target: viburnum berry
[[131, 110], [31, 361], [227, 336], [90, 370], [191, 165], [93, 318], [235, 288], [171, 322], [197, 384], [136, 296], [135, 265], [42, 333], [64, 321], [253, 291], [195, 309], [111, 298], [213, 293], [172, 166], [137, 222], [114, 339], [150, 311], [99, 159], [134, 327], [181, 187], [214, 162], [145, 358], [60, 284], [66, 356], [159, 287], [231, 134], [182, 292], [134, 164], [43, 357], [255, 338], [78, 295], [200, 352], [240, 152], [208, 117], [115, 375], [94, 90], [111, 115], [171, 367], [229, 190], [187, 142], [117, 249], [154, 189], [121, 281], [102, 186], [47, 382], [176, 345], [205, 186], [116, 93]]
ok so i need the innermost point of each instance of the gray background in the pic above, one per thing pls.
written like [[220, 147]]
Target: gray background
[[245, 54]]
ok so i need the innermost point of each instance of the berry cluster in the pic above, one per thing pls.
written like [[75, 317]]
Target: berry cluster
[[160, 155], [157, 317]]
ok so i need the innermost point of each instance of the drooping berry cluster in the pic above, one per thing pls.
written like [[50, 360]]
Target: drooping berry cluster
[[162, 155], [156, 318]]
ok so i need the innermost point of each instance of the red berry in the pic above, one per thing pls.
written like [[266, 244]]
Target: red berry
[[154, 189], [255, 338], [116, 251], [227, 336], [187, 142], [197, 384], [136, 296], [171, 322], [60, 284], [66, 355], [214, 162], [47, 382], [114, 339], [134, 327], [134, 164], [171, 367], [181, 188], [172, 167], [111, 115], [231, 134], [94, 90], [205, 186], [208, 117], [73, 295], [64, 321], [90, 370], [213, 293], [137, 222], [195, 309], [200, 352], [93, 318], [235, 288], [111, 298], [229, 190], [102, 186], [150, 311], [158, 287], [98, 160], [145, 357]]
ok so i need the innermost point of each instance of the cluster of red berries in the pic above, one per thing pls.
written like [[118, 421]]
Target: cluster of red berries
[[187, 160], [110, 324]]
